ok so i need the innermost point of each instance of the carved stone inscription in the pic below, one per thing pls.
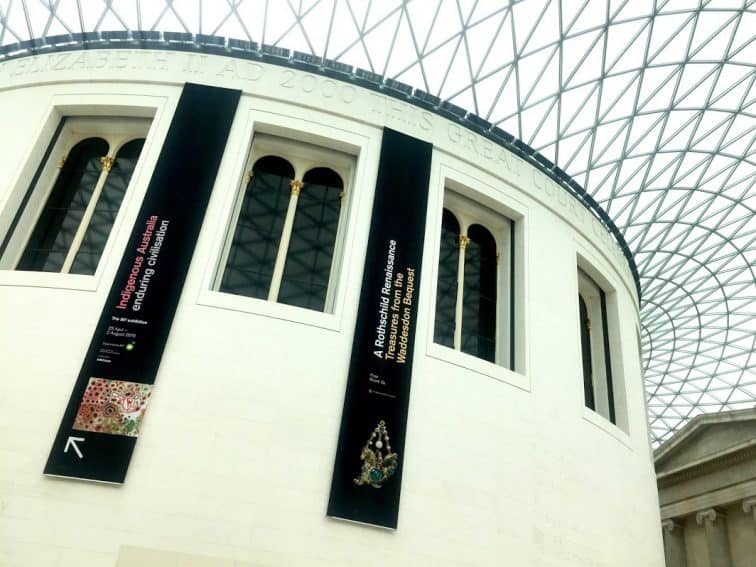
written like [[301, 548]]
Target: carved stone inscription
[[118, 60]]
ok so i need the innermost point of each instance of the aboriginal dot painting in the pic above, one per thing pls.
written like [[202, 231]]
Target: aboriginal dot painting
[[113, 406]]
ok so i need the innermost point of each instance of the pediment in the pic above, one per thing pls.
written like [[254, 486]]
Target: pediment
[[706, 437]]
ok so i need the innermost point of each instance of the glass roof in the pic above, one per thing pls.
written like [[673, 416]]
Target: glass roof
[[648, 104]]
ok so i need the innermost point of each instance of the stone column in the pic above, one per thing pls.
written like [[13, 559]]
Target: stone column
[[716, 537], [674, 544], [749, 504]]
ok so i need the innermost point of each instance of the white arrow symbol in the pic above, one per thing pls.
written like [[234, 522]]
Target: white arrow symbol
[[71, 442]]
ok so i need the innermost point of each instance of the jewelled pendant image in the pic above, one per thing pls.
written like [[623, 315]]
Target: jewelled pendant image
[[378, 465]]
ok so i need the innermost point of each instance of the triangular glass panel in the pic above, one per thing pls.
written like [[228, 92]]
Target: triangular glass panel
[[658, 88], [525, 19], [668, 28], [380, 13], [669, 46], [713, 34]]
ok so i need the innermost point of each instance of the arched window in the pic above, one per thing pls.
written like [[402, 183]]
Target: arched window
[[254, 248], [479, 303], [585, 345], [50, 242], [313, 236], [448, 274], [287, 226], [106, 208], [65, 217], [70, 234], [468, 311]]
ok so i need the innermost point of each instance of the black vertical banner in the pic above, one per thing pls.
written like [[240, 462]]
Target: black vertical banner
[[368, 470], [104, 414]]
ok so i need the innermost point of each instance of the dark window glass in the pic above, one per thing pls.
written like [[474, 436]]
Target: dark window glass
[[585, 344], [479, 303], [254, 247], [446, 292], [607, 358], [57, 225], [313, 237], [106, 209]]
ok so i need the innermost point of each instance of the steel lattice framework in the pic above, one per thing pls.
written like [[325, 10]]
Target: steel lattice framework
[[648, 104]]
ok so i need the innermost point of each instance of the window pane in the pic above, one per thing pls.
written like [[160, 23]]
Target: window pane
[[607, 358], [479, 305], [313, 237], [52, 236], [585, 344], [106, 209], [446, 290], [254, 247]]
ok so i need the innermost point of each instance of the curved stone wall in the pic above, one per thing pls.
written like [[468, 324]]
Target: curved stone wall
[[235, 457]]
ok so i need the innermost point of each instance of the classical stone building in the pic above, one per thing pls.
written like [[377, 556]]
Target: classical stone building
[[707, 491], [205, 224]]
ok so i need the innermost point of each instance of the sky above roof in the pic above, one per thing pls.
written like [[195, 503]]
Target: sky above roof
[[649, 105]]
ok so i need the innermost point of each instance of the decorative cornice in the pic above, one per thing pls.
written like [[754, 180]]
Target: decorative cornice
[[719, 497], [702, 468]]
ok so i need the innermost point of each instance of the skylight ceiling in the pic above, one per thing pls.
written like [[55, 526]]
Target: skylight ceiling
[[651, 106]]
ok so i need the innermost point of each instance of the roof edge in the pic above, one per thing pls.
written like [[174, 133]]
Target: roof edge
[[697, 423], [242, 49]]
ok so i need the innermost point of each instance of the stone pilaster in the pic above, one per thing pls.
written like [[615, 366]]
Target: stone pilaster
[[674, 544], [716, 537]]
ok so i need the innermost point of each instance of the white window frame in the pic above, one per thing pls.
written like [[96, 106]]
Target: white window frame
[[303, 157], [592, 268], [116, 131], [469, 213], [590, 291]]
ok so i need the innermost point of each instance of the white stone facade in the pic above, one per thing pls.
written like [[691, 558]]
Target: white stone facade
[[234, 462]]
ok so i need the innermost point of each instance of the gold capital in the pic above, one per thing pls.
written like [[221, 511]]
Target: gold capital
[[464, 240], [248, 177], [296, 186], [62, 162], [107, 162]]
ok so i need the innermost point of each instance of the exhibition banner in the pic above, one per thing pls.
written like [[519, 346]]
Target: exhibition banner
[[105, 412], [368, 470]]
